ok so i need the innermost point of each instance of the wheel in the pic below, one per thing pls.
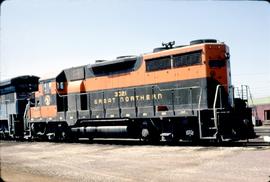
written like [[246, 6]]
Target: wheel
[[248, 129], [62, 136], [150, 136], [51, 136], [145, 133], [63, 133]]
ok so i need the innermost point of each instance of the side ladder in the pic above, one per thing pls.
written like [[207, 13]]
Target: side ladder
[[212, 119]]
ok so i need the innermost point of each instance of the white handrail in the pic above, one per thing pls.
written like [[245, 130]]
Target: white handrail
[[199, 114], [27, 107], [214, 105]]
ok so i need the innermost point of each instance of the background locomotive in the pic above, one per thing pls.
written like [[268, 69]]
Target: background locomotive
[[174, 93], [14, 97]]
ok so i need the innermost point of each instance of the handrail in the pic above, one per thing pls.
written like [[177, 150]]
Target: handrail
[[214, 105], [27, 107], [231, 94], [180, 88], [199, 114]]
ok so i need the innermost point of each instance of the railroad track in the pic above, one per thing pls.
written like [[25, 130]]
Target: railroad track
[[262, 130], [263, 133], [263, 139], [257, 142]]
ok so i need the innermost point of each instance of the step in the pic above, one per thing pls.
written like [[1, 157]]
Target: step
[[223, 112], [262, 130], [209, 138], [166, 136], [266, 123], [212, 128]]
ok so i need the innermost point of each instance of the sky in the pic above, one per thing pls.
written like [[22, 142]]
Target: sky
[[42, 37]]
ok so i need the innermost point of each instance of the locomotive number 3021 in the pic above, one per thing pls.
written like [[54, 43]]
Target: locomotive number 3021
[[120, 94]]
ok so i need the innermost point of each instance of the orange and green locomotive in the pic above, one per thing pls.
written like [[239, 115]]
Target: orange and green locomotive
[[173, 93]]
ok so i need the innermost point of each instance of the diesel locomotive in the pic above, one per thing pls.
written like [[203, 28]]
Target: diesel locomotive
[[173, 93], [15, 94]]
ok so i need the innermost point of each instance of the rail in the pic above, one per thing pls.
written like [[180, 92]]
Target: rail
[[243, 92]]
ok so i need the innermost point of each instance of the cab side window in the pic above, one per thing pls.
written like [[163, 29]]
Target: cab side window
[[47, 88]]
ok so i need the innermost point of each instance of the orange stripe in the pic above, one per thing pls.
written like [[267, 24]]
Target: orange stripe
[[141, 77], [48, 111], [35, 112], [75, 86], [217, 52], [43, 111]]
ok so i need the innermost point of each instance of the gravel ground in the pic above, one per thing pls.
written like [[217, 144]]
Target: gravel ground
[[43, 161]]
